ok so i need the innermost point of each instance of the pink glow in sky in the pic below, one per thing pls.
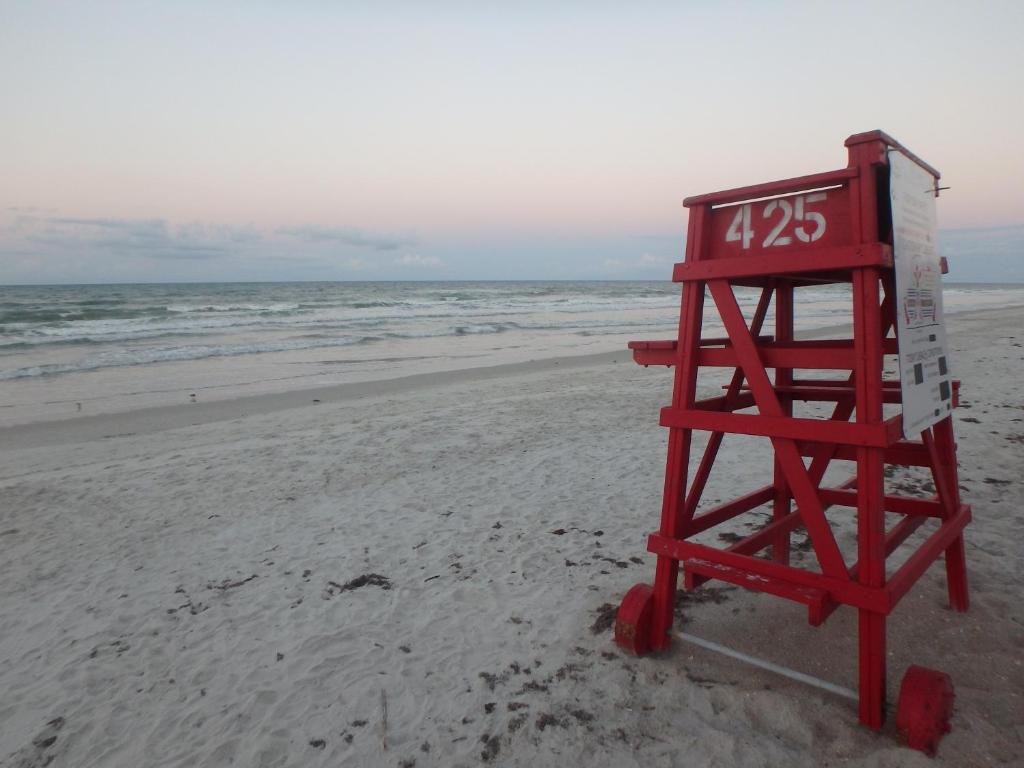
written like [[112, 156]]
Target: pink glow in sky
[[453, 124]]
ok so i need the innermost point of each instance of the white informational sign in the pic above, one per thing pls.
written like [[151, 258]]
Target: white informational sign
[[920, 329]]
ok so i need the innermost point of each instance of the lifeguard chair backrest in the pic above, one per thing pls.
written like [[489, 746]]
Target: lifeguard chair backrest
[[835, 209]]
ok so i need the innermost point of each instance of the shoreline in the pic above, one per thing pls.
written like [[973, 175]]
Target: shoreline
[[158, 418], [149, 419]]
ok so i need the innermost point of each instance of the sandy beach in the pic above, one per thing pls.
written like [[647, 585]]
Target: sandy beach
[[424, 572]]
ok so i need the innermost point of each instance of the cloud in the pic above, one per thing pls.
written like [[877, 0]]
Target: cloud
[[152, 238], [646, 262], [32, 210], [39, 245], [415, 260], [315, 233]]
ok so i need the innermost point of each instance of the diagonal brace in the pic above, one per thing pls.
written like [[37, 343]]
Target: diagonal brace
[[804, 491]]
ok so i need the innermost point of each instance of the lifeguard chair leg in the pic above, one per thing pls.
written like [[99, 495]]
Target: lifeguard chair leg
[[871, 631], [956, 575], [782, 502], [944, 461], [870, 495], [871, 573], [673, 509]]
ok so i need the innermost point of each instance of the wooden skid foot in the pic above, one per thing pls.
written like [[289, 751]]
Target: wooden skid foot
[[633, 621], [925, 707]]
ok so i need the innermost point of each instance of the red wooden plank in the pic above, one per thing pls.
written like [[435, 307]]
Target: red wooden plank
[[926, 554], [867, 333], [815, 599], [763, 536], [903, 505], [654, 357], [869, 137], [829, 394], [902, 452], [673, 510], [651, 345], [955, 557], [835, 357], [804, 491], [810, 260], [889, 345], [707, 341], [945, 493], [844, 591], [773, 229], [784, 186], [782, 504], [818, 430], [731, 509], [733, 400], [835, 354], [790, 522], [725, 403], [841, 383], [893, 426]]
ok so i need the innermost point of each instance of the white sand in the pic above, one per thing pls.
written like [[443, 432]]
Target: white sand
[[173, 584]]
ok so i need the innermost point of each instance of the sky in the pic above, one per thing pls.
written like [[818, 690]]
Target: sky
[[199, 141]]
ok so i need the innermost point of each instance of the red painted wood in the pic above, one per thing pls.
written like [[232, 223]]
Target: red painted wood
[[879, 140], [821, 430], [782, 501], [732, 401], [727, 404], [830, 394], [902, 452], [956, 561], [903, 505], [781, 236], [795, 355], [769, 233], [911, 570], [633, 620], [731, 509], [867, 334], [786, 186], [843, 384], [834, 354], [846, 591], [672, 344], [813, 260], [684, 389], [815, 599], [825, 548], [767, 534]]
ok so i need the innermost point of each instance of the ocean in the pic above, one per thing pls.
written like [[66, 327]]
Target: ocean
[[92, 343]]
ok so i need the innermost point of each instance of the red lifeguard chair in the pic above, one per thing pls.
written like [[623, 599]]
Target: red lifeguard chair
[[832, 227]]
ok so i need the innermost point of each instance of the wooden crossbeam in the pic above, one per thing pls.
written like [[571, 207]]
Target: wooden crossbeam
[[816, 260], [843, 589], [804, 491], [732, 400]]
